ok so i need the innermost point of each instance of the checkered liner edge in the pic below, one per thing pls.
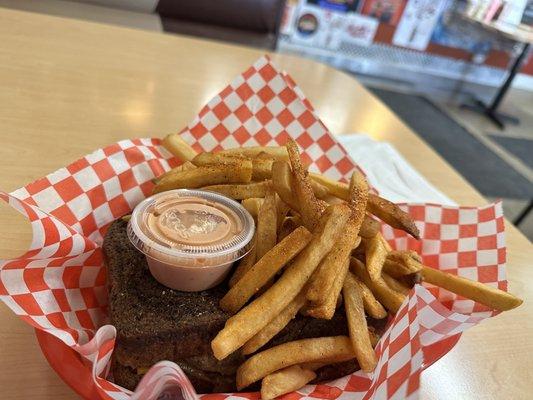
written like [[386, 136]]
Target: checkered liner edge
[[59, 284]]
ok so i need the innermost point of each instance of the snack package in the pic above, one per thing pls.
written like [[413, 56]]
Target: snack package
[[58, 286]]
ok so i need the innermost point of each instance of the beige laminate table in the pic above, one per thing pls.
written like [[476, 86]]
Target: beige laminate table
[[68, 87]]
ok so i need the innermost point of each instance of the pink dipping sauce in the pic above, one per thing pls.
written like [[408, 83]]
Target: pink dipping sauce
[[190, 237]]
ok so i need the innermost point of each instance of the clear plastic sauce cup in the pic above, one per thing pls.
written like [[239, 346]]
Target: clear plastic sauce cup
[[190, 237]]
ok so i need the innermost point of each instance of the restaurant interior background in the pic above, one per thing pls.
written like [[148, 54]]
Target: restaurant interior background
[[439, 64]]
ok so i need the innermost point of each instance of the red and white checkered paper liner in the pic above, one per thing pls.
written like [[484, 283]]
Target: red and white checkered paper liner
[[59, 284]]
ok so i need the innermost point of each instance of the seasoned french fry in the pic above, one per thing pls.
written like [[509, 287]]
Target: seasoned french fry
[[284, 381], [391, 299], [394, 284], [330, 199], [396, 269], [252, 205], [265, 268], [245, 263], [326, 310], [261, 166], [242, 191], [279, 153], [369, 228], [267, 227], [313, 366], [376, 254], [491, 297], [204, 176], [282, 210], [320, 191], [307, 201], [335, 263], [357, 326], [289, 224], [337, 189], [326, 283], [291, 353], [410, 259], [383, 209], [370, 303], [183, 167], [415, 256], [391, 214], [275, 326], [322, 280], [179, 147], [264, 156], [251, 319], [203, 159], [282, 183], [385, 243]]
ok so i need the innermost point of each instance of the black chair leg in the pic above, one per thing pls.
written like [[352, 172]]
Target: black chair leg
[[525, 212]]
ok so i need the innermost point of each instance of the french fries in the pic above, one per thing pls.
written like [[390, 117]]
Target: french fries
[[309, 207], [332, 265], [204, 159], [183, 167], [245, 263], [261, 164], [287, 226], [262, 167], [282, 209], [282, 183], [369, 228], [326, 310], [371, 305], [337, 189], [179, 147], [333, 348], [390, 213], [491, 297], [285, 381], [265, 269], [395, 284], [391, 299], [279, 153], [398, 269], [267, 226], [251, 319], [330, 199], [357, 326], [242, 191], [381, 208], [376, 254], [409, 259], [306, 259], [205, 176], [252, 205], [320, 191], [335, 264], [275, 326]]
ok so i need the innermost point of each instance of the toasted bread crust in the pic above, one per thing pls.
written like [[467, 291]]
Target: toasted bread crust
[[156, 323]]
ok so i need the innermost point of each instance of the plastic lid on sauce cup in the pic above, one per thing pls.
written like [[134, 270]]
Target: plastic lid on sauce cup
[[190, 237]]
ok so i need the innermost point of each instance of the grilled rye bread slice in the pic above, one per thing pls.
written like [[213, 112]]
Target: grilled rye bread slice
[[156, 323]]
